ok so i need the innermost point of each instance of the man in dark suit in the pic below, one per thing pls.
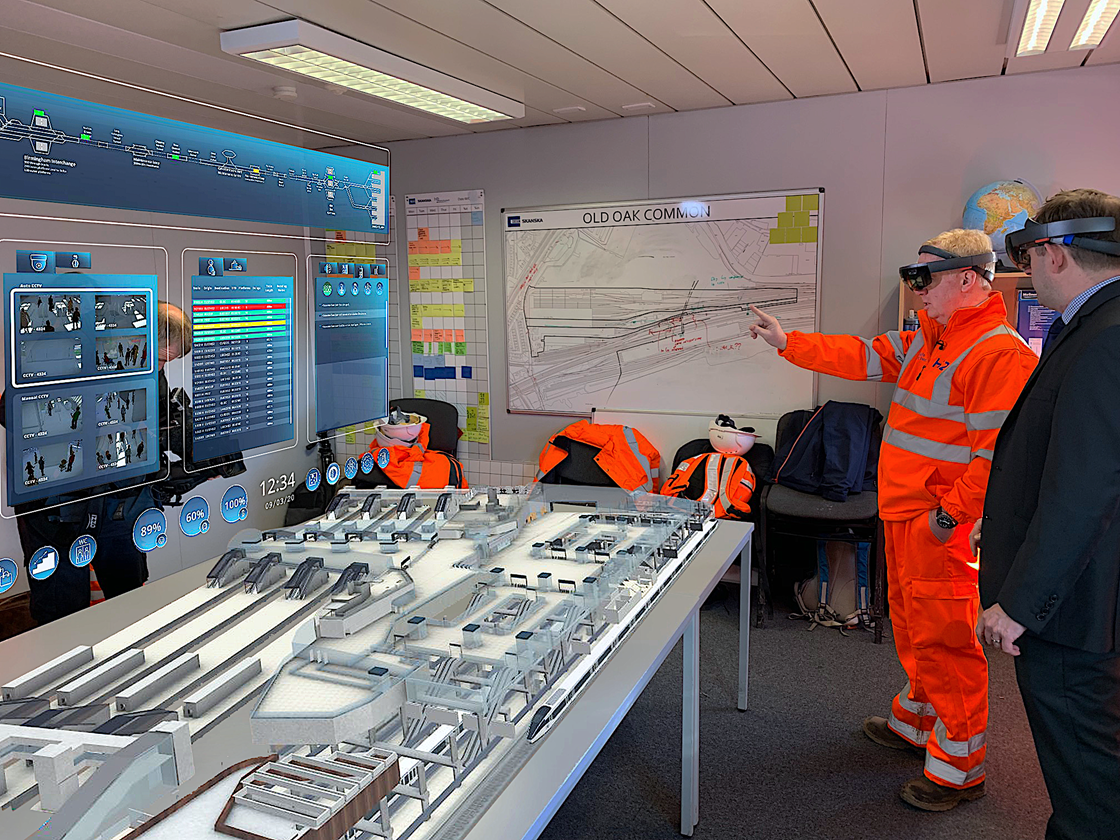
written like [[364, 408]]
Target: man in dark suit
[[1050, 567]]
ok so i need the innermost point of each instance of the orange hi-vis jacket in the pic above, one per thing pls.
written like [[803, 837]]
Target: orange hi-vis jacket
[[955, 386], [625, 455], [418, 466], [726, 482]]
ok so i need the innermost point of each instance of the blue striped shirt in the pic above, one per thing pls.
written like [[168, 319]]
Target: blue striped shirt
[[1079, 301]]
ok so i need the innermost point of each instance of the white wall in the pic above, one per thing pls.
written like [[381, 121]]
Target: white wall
[[896, 166]]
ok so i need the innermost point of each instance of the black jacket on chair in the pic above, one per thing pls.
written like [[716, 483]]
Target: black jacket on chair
[[1051, 532]]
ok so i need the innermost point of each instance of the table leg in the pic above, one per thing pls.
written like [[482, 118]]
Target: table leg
[[690, 727], [744, 622]]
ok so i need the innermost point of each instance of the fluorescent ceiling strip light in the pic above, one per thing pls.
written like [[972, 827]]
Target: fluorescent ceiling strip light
[[296, 46], [1095, 24], [1042, 16]]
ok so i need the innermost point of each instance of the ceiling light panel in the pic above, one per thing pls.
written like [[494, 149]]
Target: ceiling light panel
[[1042, 16], [1095, 24], [296, 46]]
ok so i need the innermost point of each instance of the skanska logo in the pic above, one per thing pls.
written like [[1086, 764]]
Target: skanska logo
[[515, 221]]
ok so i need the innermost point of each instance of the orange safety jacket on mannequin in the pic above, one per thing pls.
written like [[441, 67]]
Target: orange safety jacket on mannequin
[[418, 466], [725, 482], [955, 386], [625, 455]]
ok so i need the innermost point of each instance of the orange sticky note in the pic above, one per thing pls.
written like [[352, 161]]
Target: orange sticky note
[[414, 272], [417, 335], [422, 233], [460, 335], [413, 247], [445, 246], [429, 335]]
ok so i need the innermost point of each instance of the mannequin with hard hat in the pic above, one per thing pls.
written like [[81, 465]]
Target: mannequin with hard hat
[[400, 446], [722, 479]]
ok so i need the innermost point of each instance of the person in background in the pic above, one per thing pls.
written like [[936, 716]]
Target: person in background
[[955, 380], [1050, 560], [119, 565]]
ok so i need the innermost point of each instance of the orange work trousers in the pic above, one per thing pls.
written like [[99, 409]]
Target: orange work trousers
[[934, 602]]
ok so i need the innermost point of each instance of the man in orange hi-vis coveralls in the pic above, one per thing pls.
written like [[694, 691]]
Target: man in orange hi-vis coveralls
[[957, 378]]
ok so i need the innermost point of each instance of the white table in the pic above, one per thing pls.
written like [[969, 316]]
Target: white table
[[533, 795]]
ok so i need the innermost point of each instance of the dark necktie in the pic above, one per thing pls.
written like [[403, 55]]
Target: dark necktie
[[1056, 327]]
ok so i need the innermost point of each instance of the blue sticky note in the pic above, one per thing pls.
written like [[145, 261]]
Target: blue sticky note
[[429, 373], [418, 371], [449, 373], [467, 371], [476, 217]]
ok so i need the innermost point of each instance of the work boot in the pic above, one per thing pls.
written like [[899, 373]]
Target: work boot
[[876, 729], [930, 796]]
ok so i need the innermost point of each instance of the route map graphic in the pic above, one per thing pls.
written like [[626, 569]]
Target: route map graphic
[[628, 305], [54, 148]]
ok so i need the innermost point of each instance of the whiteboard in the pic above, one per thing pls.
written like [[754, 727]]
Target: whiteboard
[[643, 304]]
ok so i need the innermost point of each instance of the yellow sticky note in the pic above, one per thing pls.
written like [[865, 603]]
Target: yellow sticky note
[[483, 398], [418, 393], [369, 429], [350, 435], [459, 310]]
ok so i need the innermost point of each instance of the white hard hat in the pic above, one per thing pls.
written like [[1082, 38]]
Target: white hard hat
[[727, 439], [398, 429]]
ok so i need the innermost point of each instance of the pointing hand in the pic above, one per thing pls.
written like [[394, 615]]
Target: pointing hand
[[768, 329]]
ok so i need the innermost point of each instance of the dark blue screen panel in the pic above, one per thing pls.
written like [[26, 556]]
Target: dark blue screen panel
[[351, 349], [81, 382], [241, 363], [54, 148]]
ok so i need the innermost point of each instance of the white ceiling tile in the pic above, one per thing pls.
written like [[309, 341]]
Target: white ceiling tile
[[591, 31], [885, 55], [1109, 50], [789, 39], [691, 33], [964, 39], [492, 31]]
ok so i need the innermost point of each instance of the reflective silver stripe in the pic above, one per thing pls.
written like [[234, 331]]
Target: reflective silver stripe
[[915, 347], [943, 385], [948, 773], [960, 749], [928, 448], [984, 453], [896, 342], [414, 479], [727, 469], [911, 733], [643, 461], [874, 363], [978, 421], [913, 706], [711, 479], [929, 408]]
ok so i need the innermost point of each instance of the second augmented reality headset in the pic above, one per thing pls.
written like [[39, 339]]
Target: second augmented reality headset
[[920, 275], [1064, 232]]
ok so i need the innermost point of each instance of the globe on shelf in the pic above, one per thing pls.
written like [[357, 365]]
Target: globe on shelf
[[1000, 208]]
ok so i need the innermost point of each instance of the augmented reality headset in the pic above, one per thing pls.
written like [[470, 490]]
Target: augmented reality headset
[[1064, 232], [920, 275]]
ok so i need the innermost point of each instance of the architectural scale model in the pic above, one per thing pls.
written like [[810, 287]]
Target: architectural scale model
[[402, 656]]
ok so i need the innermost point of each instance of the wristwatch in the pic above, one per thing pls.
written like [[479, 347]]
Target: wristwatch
[[944, 520]]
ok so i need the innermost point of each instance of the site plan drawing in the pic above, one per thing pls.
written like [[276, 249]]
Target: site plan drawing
[[627, 304]]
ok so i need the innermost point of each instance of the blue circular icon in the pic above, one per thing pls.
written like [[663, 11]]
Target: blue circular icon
[[367, 463], [43, 563], [235, 504], [194, 517], [82, 550], [383, 457], [369, 288], [9, 571], [351, 468], [380, 287], [149, 532], [341, 289], [313, 479], [353, 288], [333, 474]]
